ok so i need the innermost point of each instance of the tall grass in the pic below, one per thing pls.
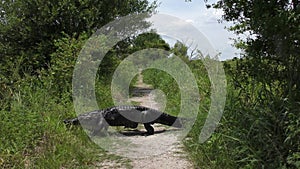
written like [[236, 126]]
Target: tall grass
[[256, 130], [33, 135], [33, 107], [259, 127]]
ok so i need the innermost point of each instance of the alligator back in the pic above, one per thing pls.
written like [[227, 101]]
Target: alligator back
[[141, 114], [128, 116]]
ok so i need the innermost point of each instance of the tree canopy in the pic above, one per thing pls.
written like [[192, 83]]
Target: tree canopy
[[273, 41], [265, 81], [29, 28]]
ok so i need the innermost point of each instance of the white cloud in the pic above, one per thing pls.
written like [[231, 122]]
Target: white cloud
[[205, 20], [190, 21]]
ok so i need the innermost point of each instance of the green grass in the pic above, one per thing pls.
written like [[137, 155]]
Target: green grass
[[258, 128], [33, 134], [255, 130]]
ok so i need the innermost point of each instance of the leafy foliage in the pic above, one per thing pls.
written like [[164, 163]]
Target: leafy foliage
[[274, 41], [260, 124], [31, 27], [39, 44]]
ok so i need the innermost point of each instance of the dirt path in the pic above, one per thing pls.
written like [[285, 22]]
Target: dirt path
[[159, 151]]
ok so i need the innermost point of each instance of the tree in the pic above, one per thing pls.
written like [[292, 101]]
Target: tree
[[274, 42], [29, 28], [267, 78]]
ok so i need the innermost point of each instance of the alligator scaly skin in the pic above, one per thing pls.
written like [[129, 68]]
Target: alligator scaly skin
[[127, 116]]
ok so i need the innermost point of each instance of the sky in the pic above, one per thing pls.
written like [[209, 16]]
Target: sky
[[205, 20]]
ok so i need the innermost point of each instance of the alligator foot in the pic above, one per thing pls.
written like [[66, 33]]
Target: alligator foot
[[149, 128]]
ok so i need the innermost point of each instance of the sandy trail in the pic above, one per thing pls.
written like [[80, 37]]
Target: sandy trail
[[162, 150]]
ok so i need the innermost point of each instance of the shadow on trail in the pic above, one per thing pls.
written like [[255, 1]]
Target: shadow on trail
[[139, 133]]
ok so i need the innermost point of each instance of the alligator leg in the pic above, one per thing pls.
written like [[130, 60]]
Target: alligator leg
[[102, 125], [149, 128]]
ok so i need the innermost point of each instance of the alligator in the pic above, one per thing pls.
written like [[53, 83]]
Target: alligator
[[127, 116]]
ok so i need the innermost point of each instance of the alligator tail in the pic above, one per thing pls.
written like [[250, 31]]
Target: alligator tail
[[169, 120]]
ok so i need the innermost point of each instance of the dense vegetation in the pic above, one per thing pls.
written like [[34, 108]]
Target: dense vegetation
[[39, 44], [260, 127]]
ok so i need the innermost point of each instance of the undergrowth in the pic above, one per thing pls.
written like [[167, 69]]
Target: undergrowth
[[33, 107], [33, 134], [259, 127]]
